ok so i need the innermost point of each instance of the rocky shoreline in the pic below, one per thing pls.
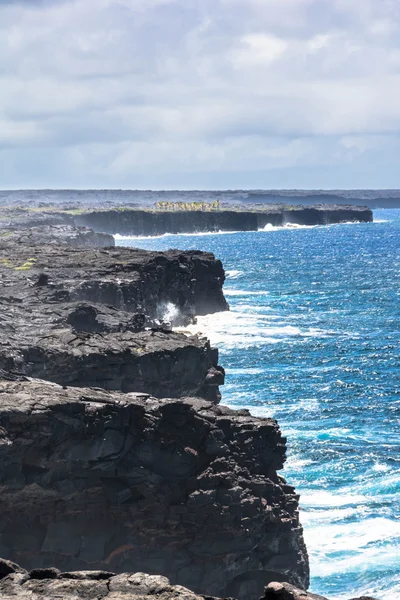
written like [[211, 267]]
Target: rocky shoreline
[[51, 583], [79, 225], [115, 454]]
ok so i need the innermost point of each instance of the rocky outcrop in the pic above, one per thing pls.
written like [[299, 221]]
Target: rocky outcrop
[[170, 285], [50, 583], [156, 362], [51, 332], [147, 222], [78, 237], [184, 488], [15, 217]]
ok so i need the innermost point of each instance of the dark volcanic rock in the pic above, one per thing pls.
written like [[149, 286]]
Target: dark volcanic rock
[[24, 218], [89, 318], [83, 585], [49, 329], [285, 591], [175, 284], [70, 235], [47, 584], [156, 362], [83, 344], [126, 482]]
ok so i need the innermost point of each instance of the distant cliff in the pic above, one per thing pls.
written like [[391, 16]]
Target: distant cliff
[[146, 222]]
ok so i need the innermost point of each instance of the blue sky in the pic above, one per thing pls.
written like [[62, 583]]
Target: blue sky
[[190, 94]]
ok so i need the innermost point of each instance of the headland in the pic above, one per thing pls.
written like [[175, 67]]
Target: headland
[[78, 224]]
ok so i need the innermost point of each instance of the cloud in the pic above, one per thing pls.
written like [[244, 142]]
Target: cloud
[[115, 92]]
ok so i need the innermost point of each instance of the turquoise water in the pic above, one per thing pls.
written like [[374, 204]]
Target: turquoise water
[[312, 339]]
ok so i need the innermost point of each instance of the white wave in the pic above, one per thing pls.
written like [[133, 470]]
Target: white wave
[[242, 329], [296, 463], [250, 371], [233, 274], [323, 498], [228, 292], [270, 227], [201, 233], [338, 548], [120, 238], [380, 468], [169, 313]]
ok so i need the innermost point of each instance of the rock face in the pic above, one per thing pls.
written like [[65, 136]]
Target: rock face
[[174, 285], [125, 482], [78, 237], [156, 362], [50, 332], [142, 222]]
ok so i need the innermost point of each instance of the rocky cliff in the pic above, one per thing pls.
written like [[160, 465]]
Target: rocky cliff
[[97, 473], [147, 222], [69, 235], [182, 488], [78, 317], [174, 285]]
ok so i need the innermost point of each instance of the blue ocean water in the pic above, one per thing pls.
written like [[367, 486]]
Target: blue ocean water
[[312, 339]]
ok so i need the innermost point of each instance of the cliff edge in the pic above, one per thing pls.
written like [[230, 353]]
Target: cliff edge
[[183, 488], [157, 222]]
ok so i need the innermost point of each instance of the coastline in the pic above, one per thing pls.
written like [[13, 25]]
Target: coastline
[[30, 274]]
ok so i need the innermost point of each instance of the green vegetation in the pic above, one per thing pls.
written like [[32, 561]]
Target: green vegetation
[[188, 206], [28, 264], [6, 262]]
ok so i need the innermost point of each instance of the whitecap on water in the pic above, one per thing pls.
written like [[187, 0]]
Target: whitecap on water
[[241, 329], [323, 498], [228, 292], [249, 371], [233, 274], [350, 545]]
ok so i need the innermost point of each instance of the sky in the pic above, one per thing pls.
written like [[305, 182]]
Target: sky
[[199, 94]]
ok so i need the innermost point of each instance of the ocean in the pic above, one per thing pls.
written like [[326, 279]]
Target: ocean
[[312, 339]]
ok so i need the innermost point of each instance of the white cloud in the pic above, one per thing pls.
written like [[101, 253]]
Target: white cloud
[[111, 92], [258, 50]]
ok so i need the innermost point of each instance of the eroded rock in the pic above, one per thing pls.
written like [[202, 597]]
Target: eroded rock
[[58, 234], [124, 482], [78, 317], [170, 285], [50, 583]]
